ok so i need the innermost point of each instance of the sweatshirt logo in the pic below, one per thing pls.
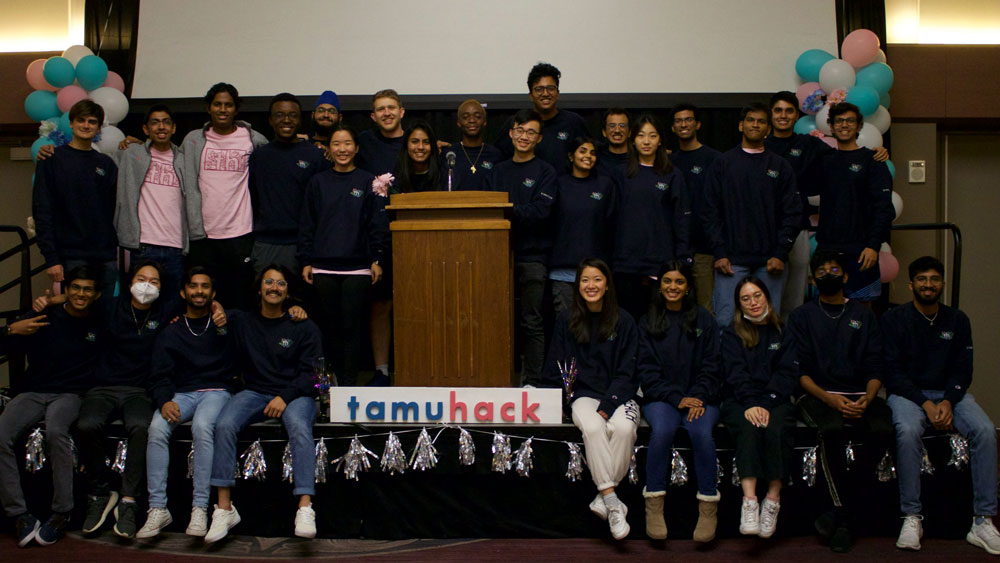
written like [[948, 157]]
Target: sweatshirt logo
[[100, 171], [612, 337], [772, 173], [696, 169], [563, 135], [855, 324], [487, 165], [596, 195], [855, 168], [795, 152], [302, 164], [528, 182], [151, 325], [947, 335], [698, 332], [221, 330], [662, 186], [91, 337], [285, 343], [357, 193], [774, 346]]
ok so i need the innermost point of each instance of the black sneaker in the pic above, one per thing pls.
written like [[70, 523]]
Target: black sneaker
[[826, 525], [53, 529], [841, 541], [27, 528], [98, 508], [125, 519], [380, 379]]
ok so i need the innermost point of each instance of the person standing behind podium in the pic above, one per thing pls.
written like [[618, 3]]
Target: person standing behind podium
[[417, 168], [530, 185], [474, 158], [343, 236], [583, 219]]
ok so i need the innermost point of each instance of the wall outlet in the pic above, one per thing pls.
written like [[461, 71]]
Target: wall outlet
[[917, 172]]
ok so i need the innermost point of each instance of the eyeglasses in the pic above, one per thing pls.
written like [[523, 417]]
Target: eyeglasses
[[522, 132], [845, 121], [928, 279], [613, 126], [679, 120], [268, 282], [834, 271], [281, 116], [331, 111], [755, 296], [86, 290], [155, 122], [543, 89]]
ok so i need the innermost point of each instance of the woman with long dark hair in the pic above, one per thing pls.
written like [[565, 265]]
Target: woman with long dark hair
[[653, 215], [679, 372], [757, 408], [417, 167], [592, 357]]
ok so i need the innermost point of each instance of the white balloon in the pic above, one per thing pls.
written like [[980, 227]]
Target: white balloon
[[76, 52], [813, 200], [880, 119], [881, 56], [115, 103], [821, 120], [836, 74], [869, 137], [897, 204], [885, 248], [111, 136]]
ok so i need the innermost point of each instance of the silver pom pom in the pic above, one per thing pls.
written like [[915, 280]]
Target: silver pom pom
[[501, 453], [190, 460], [355, 460], [886, 469], [34, 455], [321, 460], [678, 469], [719, 473], [926, 467], [121, 452], [425, 455], [76, 454], [959, 451], [574, 469], [522, 459], [253, 462], [286, 464], [809, 466], [633, 467], [736, 474], [849, 454], [393, 456], [466, 448]]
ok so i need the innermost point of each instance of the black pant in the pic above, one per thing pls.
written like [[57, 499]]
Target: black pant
[[764, 453], [229, 261], [101, 405], [874, 428], [634, 293], [344, 299]]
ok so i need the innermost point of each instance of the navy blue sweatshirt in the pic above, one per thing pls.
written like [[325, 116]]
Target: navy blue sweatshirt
[[63, 356], [279, 173], [484, 158], [608, 162], [276, 356], [680, 364], [855, 202], [923, 356], [557, 133], [763, 376], [344, 225], [531, 187], [191, 355], [654, 221], [803, 152], [583, 220], [605, 368], [378, 153], [73, 204], [752, 210], [130, 339], [694, 166], [839, 347]]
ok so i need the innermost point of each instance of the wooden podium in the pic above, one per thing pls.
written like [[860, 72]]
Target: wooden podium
[[452, 289]]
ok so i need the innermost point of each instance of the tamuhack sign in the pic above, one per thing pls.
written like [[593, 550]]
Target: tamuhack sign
[[465, 405]]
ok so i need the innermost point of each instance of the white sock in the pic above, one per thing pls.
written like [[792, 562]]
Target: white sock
[[384, 368], [611, 501]]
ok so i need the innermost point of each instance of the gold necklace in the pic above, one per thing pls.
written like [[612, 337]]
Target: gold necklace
[[473, 167]]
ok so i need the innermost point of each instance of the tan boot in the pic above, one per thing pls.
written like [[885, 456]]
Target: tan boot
[[656, 527], [708, 517]]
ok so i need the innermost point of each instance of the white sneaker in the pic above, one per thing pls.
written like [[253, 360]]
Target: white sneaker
[[984, 535], [305, 522], [617, 522], [156, 520], [911, 532], [598, 507], [769, 517], [222, 522], [198, 526], [750, 518]]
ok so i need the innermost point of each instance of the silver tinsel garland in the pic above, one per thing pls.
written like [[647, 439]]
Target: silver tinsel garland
[[121, 453], [253, 462], [321, 460], [678, 469], [190, 462], [849, 454], [959, 451], [425, 455], [926, 468], [355, 460], [809, 466], [574, 469], [393, 456], [287, 473], [633, 467], [522, 459], [466, 448], [736, 474], [501, 453], [34, 455], [886, 469]]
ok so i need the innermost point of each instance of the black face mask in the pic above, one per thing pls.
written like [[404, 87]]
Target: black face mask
[[829, 284]]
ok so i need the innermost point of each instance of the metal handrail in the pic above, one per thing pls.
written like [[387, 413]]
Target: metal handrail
[[956, 261], [24, 278]]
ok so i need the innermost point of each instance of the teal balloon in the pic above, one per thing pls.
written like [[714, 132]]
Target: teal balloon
[[865, 97], [892, 168], [64, 125], [812, 244], [884, 99], [91, 72], [58, 71], [877, 75], [809, 62], [805, 124], [41, 105], [35, 147]]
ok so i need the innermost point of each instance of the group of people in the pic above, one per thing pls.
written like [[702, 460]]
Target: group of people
[[669, 272]]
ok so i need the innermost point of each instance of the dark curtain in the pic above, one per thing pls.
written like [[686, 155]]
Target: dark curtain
[[111, 28], [860, 14]]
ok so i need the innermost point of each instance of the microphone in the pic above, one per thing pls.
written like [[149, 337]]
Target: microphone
[[450, 158]]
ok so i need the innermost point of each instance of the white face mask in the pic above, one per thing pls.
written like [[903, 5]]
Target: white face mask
[[145, 292], [759, 318]]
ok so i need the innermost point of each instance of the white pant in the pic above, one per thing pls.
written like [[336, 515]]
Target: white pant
[[607, 443]]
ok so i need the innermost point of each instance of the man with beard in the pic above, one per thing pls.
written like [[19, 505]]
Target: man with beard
[[325, 116], [378, 148], [614, 154], [928, 351], [839, 352], [474, 158]]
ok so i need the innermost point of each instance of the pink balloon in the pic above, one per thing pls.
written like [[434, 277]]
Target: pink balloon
[[814, 220], [888, 266], [860, 48], [804, 92], [115, 81], [69, 95], [829, 141], [35, 77]]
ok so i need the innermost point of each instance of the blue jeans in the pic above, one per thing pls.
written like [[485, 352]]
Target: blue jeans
[[910, 421], [202, 408], [723, 296], [171, 259], [664, 420], [247, 407]]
